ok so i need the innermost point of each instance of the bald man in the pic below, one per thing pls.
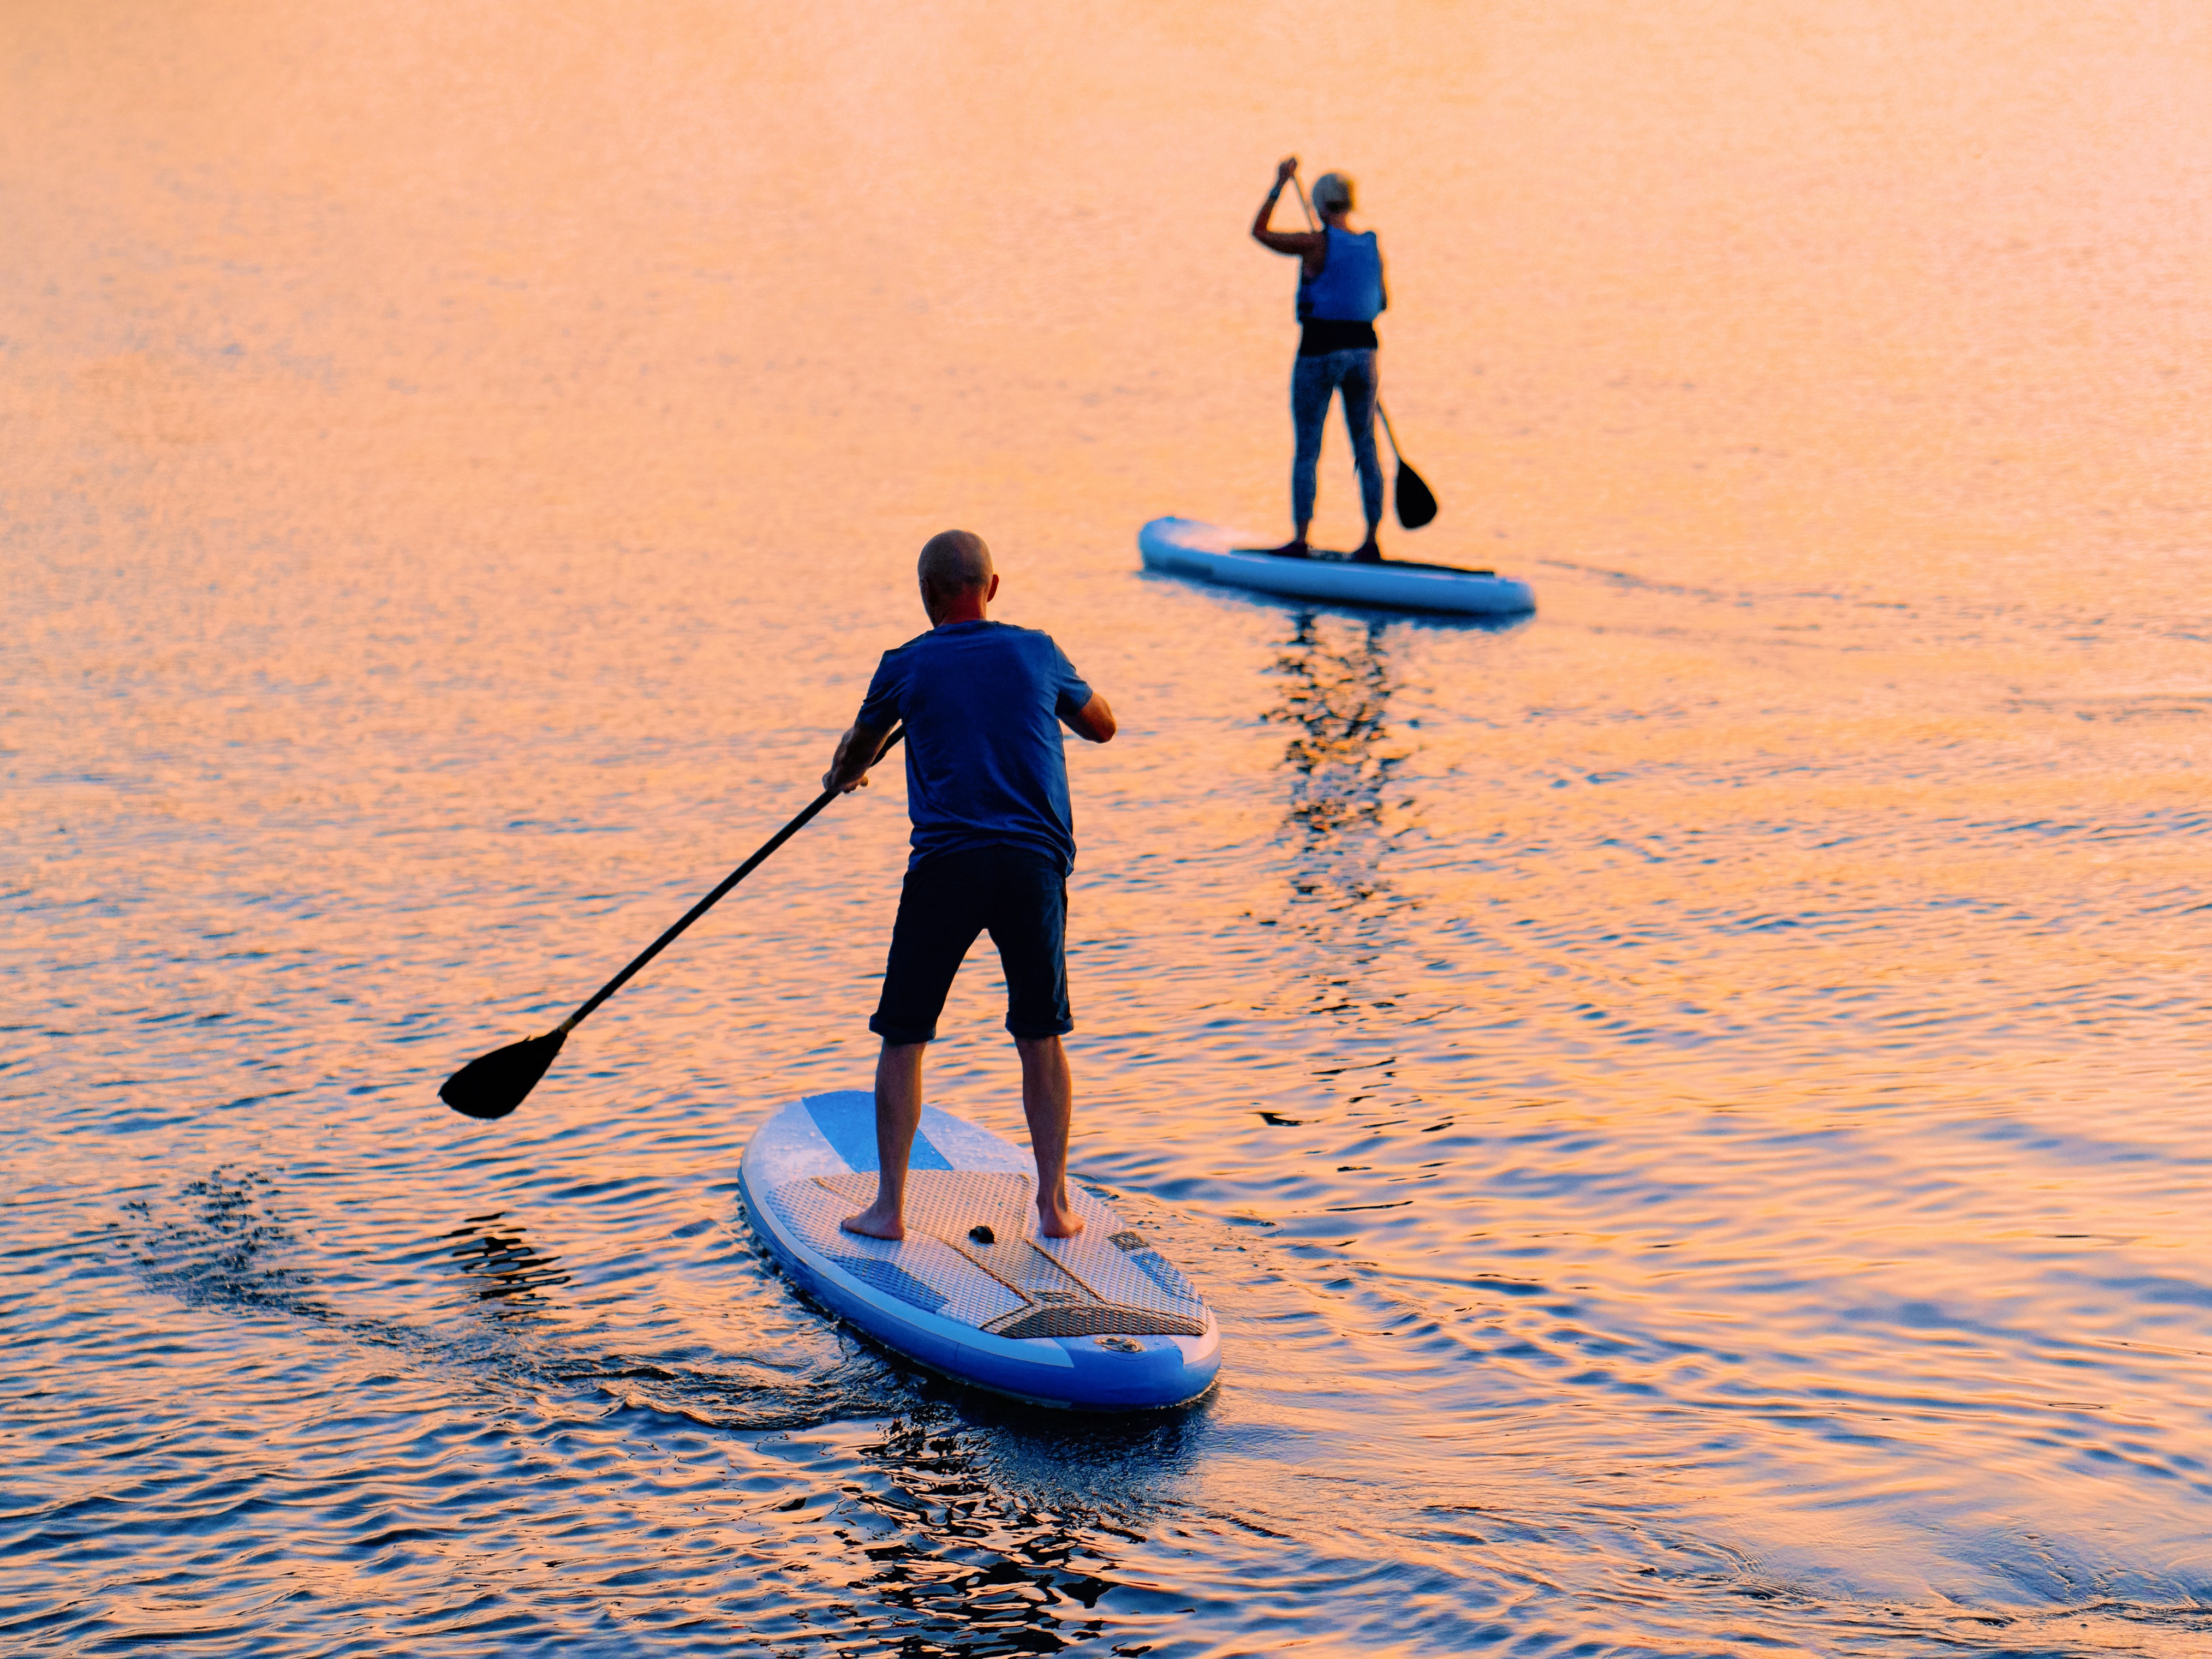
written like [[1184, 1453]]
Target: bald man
[[993, 841]]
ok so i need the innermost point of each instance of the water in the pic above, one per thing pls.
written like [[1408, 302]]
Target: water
[[1688, 1107]]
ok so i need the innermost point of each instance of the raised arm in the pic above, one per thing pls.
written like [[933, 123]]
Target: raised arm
[[1094, 722], [1309, 244]]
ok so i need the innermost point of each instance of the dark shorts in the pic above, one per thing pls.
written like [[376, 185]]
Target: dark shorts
[[1020, 898]]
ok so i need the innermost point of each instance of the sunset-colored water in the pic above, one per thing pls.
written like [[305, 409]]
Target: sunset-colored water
[[1691, 1108]]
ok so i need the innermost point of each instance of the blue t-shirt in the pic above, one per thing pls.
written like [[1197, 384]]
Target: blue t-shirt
[[982, 703]]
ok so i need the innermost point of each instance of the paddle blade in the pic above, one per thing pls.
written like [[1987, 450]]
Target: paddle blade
[[493, 1084], [1416, 505]]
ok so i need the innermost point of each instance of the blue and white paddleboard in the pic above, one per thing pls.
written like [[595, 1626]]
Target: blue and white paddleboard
[[974, 1291], [1186, 547]]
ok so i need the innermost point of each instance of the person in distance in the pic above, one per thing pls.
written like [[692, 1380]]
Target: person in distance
[[1340, 294]]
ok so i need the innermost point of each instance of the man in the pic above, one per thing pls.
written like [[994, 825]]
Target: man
[[993, 841], [1340, 294]]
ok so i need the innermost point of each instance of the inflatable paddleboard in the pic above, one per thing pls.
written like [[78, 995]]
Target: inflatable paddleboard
[[974, 1291], [1186, 547]]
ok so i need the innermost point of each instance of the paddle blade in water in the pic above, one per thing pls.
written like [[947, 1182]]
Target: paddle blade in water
[[1416, 505], [493, 1084]]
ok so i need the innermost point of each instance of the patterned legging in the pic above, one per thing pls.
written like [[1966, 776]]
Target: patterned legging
[[1312, 381]]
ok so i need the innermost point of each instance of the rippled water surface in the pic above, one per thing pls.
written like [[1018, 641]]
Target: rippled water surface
[[1689, 1107]]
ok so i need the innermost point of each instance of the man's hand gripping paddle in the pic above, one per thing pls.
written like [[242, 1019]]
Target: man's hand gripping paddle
[[1416, 502], [493, 1084]]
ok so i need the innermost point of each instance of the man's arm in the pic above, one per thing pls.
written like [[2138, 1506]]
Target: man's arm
[[1309, 244], [1094, 722], [861, 747]]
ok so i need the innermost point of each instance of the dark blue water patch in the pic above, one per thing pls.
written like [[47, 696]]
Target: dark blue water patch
[[2160, 1290], [499, 1263]]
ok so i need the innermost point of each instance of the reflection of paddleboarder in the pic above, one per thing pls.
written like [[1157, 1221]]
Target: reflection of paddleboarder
[[1340, 295]]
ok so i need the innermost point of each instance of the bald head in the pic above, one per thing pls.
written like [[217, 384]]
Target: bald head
[[956, 573]]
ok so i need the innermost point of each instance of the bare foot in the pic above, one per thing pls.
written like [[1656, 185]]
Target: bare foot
[[875, 1222], [1293, 548], [1058, 1220]]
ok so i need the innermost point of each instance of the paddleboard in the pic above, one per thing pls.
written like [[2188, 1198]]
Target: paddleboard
[[1186, 547], [1100, 1320]]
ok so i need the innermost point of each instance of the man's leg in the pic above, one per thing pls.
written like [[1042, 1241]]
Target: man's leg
[[1048, 1103], [898, 1115], [1359, 392], [936, 925], [1028, 924]]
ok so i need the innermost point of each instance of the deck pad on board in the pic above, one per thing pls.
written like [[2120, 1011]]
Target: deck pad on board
[[1010, 1284], [974, 1289]]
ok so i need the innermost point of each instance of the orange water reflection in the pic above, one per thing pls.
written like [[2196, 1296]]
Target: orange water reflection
[[1688, 1106]]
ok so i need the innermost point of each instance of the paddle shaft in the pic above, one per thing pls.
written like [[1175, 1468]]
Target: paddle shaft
[[1312, 223], [710, 901]]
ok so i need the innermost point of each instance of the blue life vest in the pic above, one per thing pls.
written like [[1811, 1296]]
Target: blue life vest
[[1349, 288]]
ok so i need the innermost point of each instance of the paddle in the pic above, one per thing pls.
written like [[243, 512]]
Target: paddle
[[492, 1085], [1416, 501]]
